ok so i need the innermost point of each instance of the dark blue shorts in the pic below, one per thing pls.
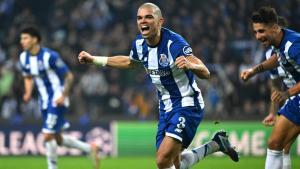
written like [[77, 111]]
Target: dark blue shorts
[[291, 110], [180, 124], [53, 119]]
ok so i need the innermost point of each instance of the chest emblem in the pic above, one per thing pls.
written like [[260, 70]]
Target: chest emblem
[[163, 60]]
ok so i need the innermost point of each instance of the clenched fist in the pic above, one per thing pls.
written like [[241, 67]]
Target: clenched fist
[[85, 57]]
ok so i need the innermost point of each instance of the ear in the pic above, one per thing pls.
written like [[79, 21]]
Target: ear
[[161, 20]]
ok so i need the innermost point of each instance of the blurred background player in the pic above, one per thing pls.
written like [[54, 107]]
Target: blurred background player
[[53, 79], [286, 44], [169, 61], [277, 78]]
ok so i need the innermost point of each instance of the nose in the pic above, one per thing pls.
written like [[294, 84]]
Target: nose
[[258, 36]]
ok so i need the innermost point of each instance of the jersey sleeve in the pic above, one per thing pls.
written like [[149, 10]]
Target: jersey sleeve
[[22, 62], [57, 64], [180, 48], [133, 55], [294, 52]]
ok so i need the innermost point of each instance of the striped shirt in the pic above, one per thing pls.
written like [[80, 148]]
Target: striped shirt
[[175, 87], [279, 72], [48, 71], [288, 54]]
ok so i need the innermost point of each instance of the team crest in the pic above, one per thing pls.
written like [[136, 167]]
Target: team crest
[[163, 60]]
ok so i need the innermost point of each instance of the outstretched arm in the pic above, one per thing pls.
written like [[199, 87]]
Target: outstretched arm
[[268, 64], [194, 64], [122, 62]]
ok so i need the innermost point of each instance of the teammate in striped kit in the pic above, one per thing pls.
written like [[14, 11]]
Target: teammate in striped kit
[[278, 76], [169, 61], [46, 69], [286, 44]]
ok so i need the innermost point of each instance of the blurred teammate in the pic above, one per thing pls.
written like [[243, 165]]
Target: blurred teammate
[[46, 69], [278, 76], [286, 44], [169, 61]]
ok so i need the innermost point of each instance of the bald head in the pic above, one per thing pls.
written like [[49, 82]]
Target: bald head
[[155, 8]]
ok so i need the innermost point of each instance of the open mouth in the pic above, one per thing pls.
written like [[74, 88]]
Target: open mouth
[[145, 28]]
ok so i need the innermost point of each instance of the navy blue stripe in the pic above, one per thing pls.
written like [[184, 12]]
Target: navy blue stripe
[[145, 53]]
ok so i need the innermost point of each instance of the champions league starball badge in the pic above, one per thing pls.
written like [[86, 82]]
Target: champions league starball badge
[[163, 60], [187, 50]]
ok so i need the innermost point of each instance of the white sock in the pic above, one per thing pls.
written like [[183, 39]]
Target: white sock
[[51, 154], [72, 142], [172, 167], [191, 157], [287, 164], [274, 159]]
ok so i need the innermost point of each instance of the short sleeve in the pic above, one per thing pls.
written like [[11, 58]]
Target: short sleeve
[[294, 52], [57, 64], [25, 70], [180, 48], [137, 43]]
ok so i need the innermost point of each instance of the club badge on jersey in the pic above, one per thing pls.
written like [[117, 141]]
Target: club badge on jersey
[[163, 60]]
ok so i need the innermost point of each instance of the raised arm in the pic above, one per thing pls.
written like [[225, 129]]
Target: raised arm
[[268, 64], [194, 64], [122, 62]]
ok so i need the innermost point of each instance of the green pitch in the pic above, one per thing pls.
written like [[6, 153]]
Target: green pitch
[[39, 162]]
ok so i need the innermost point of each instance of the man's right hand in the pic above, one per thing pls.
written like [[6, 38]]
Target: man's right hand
[[26, 97], [269, 120], [85, 57], [247, 74]]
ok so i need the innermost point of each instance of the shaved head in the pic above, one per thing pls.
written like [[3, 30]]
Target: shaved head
[[155, 8]]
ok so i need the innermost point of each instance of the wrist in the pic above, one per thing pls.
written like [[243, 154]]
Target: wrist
[[100, 60]]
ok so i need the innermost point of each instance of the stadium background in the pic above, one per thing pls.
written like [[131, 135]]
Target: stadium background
[[104, 100]]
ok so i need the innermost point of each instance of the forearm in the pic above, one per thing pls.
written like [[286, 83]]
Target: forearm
[[68, 82], [122, 62], [200, 71], [268, 64], [198, 68], [28, 85], [294, 90]]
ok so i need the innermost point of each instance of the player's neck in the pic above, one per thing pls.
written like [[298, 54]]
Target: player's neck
[[154, 40], [279, 38], [35, 50]]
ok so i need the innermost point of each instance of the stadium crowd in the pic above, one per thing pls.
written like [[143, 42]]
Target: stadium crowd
[[218, 31]]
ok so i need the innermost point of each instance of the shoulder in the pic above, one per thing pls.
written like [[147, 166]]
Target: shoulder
[[23, 57], [52, 53], [138, 41], [173, 36]]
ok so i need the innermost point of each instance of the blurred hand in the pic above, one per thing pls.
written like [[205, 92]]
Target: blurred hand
[[26, 97], [247, 74], [269, 120], [60, 101], [279, 96], [183, 63], [85, 57]]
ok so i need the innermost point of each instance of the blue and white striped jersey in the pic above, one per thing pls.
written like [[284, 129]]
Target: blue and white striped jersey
[[176, 87], [48, 70], [289, 54], [279, 72]]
